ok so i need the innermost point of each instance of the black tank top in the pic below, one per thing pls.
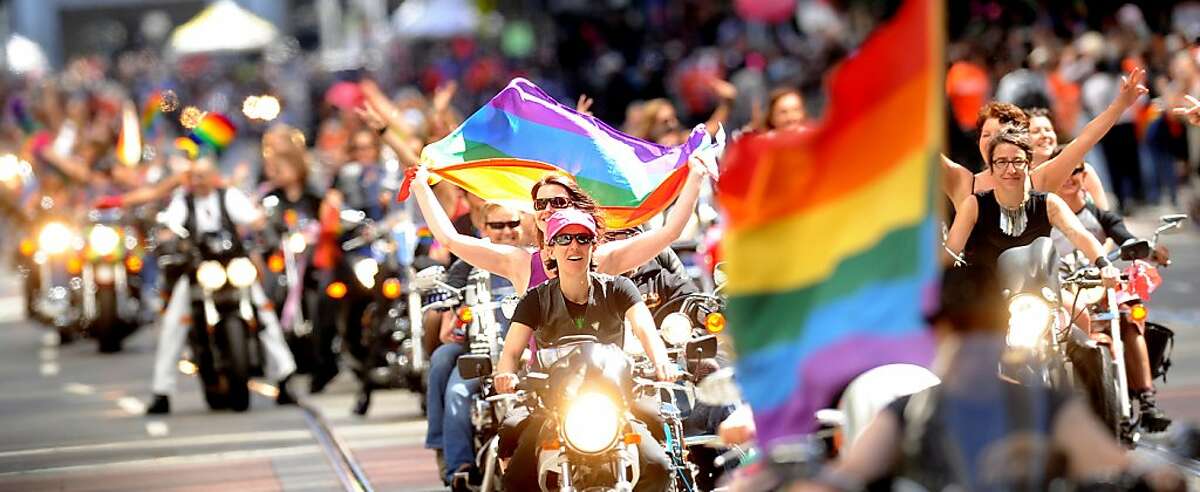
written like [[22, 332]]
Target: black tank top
[[987, 241]]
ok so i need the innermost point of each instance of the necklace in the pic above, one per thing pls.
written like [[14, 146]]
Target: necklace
[[1013, 220]]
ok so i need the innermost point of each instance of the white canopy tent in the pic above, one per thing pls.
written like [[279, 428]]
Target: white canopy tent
[[222, 26], [416, 19]]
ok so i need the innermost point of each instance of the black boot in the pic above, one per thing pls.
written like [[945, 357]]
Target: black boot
[[320, 379], [160, 406], [1153, 419], [285, 396], [363, 403]]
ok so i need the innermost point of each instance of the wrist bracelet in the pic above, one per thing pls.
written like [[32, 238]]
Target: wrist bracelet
[[1102, 261]]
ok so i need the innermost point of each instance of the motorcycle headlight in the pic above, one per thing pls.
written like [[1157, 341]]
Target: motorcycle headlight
[[592, 423], [241, 272], [365, 270], [104, 240], [676, 329], [55, 238], [211, 275], [1028, 318], [296, 243]]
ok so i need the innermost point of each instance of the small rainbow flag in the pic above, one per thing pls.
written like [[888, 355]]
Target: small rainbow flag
[[523, 134], [151, 110], [189, 146], [214, 130], [831, 239]]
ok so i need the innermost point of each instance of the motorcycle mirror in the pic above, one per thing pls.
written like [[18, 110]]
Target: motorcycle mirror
[[719, 389], [471, 366], [1174, 220], [702, 347], [1135, 249]]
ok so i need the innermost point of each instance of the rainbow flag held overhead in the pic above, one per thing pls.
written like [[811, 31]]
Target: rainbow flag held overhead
[[831, 238], [523, 134], [214, 130], [188, 146]]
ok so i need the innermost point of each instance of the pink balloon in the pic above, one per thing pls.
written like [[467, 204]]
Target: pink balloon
[[768, 11]]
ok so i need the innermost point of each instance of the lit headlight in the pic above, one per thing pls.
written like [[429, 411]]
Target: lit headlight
[[104, 240], [296, 243], [241, 272], [676, 329], [592, 423], [365, 270], [1028, 318], [55, 238], [211, 275]]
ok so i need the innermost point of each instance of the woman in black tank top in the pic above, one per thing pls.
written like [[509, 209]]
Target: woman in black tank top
[[1013, 215]]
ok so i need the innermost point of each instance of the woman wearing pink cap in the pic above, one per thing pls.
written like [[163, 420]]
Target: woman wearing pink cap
[[580, 302], [525, 268]]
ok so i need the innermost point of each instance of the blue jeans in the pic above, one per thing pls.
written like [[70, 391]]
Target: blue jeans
[[448, 404]]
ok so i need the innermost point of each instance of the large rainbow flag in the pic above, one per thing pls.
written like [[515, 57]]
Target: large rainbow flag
[[831, 237], [523, 134]]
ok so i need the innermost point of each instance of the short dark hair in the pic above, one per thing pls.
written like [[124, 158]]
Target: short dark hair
[[1012, 136]]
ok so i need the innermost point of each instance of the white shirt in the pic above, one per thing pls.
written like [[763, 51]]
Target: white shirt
[[208, 211]]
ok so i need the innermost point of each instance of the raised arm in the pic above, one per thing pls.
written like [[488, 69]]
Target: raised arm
[[621, 256], [726, 94], [381, 114], [506, 261], [956, 181], [1053, 173]]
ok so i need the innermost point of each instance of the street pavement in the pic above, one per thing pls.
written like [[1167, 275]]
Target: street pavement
[[72, 418]]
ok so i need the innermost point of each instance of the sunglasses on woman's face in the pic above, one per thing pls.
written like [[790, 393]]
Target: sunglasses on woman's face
[[554, 201], [582, 238], [1077, 171], [496, 226]]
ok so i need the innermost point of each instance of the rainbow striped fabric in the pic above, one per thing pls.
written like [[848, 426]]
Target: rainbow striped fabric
[[831, 237], [523, 134], [151, 110], [215, 130]]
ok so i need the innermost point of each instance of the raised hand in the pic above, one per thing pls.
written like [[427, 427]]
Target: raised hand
[[443, 95], [584, 104], [722, 89], [371, 117], [1132, 87], [1191, 112]]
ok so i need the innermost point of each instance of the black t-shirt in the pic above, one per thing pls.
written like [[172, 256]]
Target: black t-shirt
[[306, 206], [551, 316]]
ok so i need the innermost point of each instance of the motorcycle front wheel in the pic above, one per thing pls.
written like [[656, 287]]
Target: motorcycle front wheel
[[236, 371], [1095, 372]]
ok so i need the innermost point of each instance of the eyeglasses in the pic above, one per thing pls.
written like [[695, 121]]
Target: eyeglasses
[[1077, 171], [554, 201], [619, 235], [1015, 163], [582, 238], [496, 226]]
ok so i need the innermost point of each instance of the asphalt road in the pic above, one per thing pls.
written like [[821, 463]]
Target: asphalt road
[[71, 418]]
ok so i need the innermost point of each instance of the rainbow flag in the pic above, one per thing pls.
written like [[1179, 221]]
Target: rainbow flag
[[188, 146], [214, 130], [151, 110], [831, 238], [523, 134]]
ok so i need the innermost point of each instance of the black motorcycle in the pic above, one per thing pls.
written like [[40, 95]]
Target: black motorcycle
[[111, 293], [224, 335]]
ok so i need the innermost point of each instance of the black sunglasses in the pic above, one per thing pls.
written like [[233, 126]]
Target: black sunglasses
[[1077, 171], [514, 224], [554, 201], [582, 238]]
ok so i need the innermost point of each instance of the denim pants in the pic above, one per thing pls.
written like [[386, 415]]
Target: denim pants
[[448, 403]]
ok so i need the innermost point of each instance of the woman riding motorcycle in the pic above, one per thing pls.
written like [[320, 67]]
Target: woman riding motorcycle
[[1104, 224], [448, 399], [1011, 215], [580, 302], [1045, 148]]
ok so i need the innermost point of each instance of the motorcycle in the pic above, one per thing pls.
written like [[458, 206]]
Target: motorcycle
[[54, 271], [387, 321], [111, 293], [224, 336], [288, 238]]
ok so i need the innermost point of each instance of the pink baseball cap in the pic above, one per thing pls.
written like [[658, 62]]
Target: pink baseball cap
[[568, 216]]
